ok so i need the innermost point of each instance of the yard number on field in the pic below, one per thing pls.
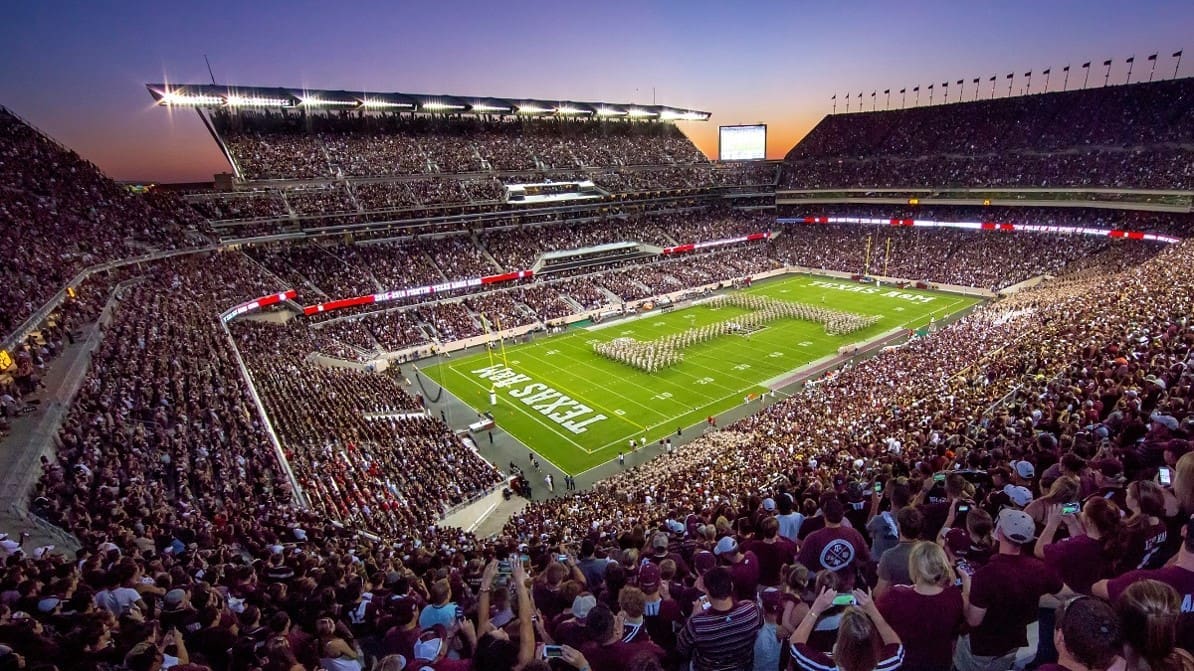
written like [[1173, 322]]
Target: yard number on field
[[704, 380]]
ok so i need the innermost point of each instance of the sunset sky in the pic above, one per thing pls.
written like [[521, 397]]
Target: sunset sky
[[78, 70]]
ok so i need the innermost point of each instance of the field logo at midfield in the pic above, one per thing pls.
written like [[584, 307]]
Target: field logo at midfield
[[550, 403]]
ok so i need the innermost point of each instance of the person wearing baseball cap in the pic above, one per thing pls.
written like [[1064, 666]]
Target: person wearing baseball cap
[[744, 567], [1022, 473], [662, 615], [1002, 597]]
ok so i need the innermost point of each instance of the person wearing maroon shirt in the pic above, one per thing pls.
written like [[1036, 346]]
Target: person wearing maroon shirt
[[772, 550], [1087, 636], [936, 509], [660, 612], [1145, 528], [1002, 598], [835, 548], [1090, 551], [744, 567], [607, 651], [927, 614], [404, 631], [1179, 575], [432, 648]]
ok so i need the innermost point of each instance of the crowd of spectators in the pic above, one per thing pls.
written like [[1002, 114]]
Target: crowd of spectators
[[451, 320], [500, 310], [1072, 391], [1015, 487], [987, 259], [263, 204], [267, 146], [316, 266], [59, 214], [363, 451], [1135, 136]]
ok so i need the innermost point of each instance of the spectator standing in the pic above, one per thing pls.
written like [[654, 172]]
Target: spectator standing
[[1002, 598], [893, 565], [927, 614], [835, 548], [1086, 633], [721, 635], [855, 649]]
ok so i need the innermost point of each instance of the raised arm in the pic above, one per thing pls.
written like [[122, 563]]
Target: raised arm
[[867, 604]]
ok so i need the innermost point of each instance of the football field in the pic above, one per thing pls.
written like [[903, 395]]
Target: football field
[[577, 408]]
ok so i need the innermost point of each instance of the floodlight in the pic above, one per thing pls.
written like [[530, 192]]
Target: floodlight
[[565, 109], [533, 109], [640, 113], [481, 107], [171, 98], [380, 104], [434, 105], [244, 101], [606, 111]]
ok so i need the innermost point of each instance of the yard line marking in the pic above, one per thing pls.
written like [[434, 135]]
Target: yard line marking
[[676, 371], [538, 419], [601, 386]]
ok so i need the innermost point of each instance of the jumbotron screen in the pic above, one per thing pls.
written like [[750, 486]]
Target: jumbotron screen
[[742, 143]]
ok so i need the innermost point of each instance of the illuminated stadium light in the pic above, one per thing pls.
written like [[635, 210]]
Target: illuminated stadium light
[[565, 109], [533, 109], [490, 108], [244, 101], [639, 114], [171, 98], [672, 115], [434, 105], [382, 104], [606, 111], [314, 101]]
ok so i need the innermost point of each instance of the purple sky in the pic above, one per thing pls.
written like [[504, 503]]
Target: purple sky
[[77, 70]]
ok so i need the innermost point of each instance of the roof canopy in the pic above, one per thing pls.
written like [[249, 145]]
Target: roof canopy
[[218, 96]]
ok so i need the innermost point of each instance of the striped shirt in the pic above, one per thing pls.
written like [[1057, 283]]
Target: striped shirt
[[805, 658], [721, 640]]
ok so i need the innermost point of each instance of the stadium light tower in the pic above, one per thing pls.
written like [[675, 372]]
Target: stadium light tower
[[1065, 82], [1131, 64]]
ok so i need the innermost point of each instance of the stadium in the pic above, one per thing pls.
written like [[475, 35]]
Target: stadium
[[450, 382]]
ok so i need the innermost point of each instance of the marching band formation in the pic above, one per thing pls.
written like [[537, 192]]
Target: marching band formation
[[656, 355]]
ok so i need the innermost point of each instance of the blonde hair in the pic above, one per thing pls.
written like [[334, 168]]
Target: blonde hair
[[1063, 490], [928, 564], [632, 601]]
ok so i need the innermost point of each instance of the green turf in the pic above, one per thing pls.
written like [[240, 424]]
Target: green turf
[[715, 375]]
